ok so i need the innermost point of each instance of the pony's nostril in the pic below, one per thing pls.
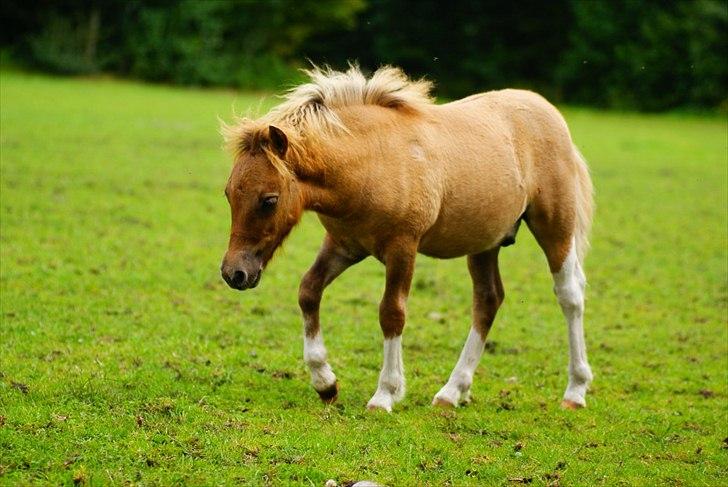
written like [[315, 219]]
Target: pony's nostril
[[239, 278]]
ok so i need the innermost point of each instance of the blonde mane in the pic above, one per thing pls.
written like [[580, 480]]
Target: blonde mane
[[309, 110]]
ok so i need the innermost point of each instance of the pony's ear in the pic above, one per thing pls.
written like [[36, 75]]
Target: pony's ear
[[278, 141]]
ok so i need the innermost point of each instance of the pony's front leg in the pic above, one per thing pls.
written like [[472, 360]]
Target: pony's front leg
[[330, 263], [399, 259]]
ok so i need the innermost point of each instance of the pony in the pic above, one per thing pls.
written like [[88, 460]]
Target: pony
[[391, 174]]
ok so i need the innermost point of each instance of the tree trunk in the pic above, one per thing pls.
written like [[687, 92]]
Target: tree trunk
[[93, 38]]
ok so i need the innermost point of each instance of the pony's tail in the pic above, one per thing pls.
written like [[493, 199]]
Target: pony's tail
[[584, 205]]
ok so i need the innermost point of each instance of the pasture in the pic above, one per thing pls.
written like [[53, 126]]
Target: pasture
[[125, 358]]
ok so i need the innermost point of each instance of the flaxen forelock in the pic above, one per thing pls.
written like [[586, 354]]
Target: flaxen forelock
[[310, 109]]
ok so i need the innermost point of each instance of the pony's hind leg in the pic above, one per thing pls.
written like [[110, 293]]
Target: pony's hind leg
[[569, 284], [560, 247], [329, 264], [487, 297]]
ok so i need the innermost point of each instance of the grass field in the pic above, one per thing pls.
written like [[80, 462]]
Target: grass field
[[125, 358]]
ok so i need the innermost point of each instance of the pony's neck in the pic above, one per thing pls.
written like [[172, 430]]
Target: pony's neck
[[320, 199], [317, 182]]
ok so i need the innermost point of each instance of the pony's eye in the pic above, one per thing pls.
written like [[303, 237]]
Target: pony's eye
[[269, 202]]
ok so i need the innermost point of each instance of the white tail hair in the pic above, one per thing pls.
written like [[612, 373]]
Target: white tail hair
[[584, 205]]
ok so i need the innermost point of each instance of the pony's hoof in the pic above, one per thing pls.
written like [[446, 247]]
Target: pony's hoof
[[330, 394], [378, 407], [569, 404], [381, 402], [441, 402]]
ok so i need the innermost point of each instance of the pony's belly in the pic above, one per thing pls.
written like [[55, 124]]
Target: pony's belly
[[448, 243], [465, 229]]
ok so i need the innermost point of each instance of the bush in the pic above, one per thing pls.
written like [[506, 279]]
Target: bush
[[648, 55], [63, 46], [633, 54]]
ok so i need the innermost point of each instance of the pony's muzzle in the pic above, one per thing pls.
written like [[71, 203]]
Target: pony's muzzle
[[245, 274], [238, 279]]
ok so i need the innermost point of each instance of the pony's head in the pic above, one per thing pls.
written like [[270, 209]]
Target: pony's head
[[264, 194], [264, 202]]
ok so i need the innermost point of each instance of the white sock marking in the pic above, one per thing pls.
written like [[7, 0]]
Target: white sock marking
[[314, 354], [457, 388], [569, 285], [391, 380]]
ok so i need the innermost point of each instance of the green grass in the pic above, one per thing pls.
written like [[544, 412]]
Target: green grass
[[124, 358]]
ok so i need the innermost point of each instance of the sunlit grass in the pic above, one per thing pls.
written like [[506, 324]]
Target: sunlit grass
[[123, 357]]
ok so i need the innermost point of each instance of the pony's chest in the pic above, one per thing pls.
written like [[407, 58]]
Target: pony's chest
[[355, 237], [369, 234]]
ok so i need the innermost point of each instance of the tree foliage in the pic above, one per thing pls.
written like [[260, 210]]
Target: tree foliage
[[635, 54]]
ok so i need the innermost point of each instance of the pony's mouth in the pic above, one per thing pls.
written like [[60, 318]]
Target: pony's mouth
[[256, 279]]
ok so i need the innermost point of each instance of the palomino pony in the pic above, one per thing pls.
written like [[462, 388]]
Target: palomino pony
[[391, 174]]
